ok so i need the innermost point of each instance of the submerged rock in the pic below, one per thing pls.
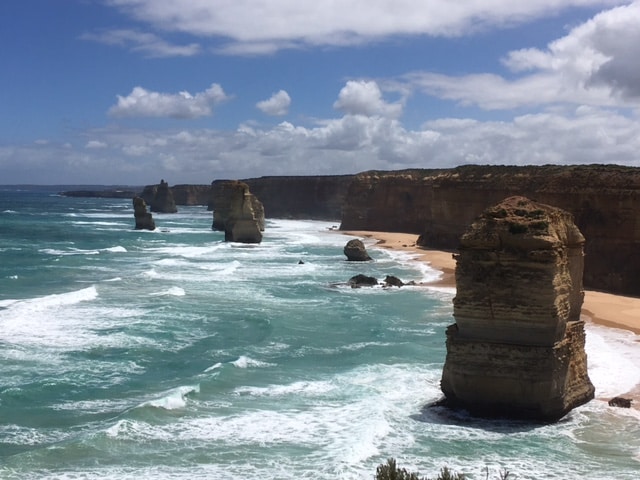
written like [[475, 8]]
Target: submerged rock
[[517, 347], [355, 251], [620, 402], [144, 220]]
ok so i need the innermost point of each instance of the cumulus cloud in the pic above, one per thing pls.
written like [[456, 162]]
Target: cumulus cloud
[[263, 26], [594, 64], [277, 105], [365, 98], [348, 144], [95, 144], [143, 103], [148, 44]]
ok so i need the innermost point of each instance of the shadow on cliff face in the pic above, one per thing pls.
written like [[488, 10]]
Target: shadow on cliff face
[[441, 414]]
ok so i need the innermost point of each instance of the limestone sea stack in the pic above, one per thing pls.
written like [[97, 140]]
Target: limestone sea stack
[[144, 220], [517, 347], [237, 212]]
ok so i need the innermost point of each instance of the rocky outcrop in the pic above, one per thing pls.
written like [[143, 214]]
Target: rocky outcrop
[[517, 347], [238, 212], [439, 204], [355, 251], [144, 220], [362, 280], [159, 198]]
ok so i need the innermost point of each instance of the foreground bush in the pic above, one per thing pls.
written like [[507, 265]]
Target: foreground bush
[[390, 471]]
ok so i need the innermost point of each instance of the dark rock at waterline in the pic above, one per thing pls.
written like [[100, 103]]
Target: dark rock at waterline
[[393, 281], [620, 402], [355, 251], [361, 280]]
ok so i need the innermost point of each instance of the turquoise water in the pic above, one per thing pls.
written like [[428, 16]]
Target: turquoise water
[[170, 354]]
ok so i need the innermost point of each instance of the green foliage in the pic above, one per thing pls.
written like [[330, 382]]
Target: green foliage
[[390, 471]]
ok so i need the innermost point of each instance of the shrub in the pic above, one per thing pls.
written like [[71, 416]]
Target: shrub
[[390, 471]]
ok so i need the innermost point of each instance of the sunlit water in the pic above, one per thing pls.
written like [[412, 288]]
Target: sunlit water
[[171, 354]]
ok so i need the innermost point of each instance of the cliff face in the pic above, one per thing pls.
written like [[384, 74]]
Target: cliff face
[[517, 347], [191, 194], [313, 197], [440, 204], [159, 198]]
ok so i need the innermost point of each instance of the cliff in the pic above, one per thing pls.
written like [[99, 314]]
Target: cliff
[[186, 194], [517, 347], [307, 197], [440, 204]]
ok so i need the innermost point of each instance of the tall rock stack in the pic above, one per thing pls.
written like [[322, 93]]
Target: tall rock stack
[[237, 212], [144, 220], [517, 347]]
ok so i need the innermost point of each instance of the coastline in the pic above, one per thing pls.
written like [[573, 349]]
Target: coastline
[[605, 309]]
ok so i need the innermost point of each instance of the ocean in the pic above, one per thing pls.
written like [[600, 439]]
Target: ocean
[[171, 354]]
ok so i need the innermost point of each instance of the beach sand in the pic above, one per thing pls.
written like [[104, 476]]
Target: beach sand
[[605, 309]]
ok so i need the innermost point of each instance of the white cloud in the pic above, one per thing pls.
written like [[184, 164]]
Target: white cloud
[[146, 43], [143, 103], [365, 98], [263, 26], [95, 144], [277, 105], [348, 144], [594, 64]]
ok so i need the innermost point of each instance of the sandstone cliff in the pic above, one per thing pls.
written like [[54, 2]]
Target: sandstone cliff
[[307, 197], [517, 347], [237, 212], [440, 204], [186, 194]]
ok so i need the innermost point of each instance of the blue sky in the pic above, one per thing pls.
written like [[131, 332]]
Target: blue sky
[[132, 91]]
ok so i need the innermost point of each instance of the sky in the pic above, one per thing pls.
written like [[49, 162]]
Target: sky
[[128, 92]]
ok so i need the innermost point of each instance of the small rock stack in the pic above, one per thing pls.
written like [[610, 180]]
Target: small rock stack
[[144, 220], [517, 347]]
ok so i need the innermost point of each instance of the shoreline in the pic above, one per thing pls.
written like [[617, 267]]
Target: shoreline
[[605, 309]]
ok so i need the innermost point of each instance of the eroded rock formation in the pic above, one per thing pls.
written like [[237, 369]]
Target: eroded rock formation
[[517, 347], [355, 251], [237, 212], [144, 220], [159, 198]]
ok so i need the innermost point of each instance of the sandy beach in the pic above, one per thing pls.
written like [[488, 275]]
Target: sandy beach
[[615, 311]]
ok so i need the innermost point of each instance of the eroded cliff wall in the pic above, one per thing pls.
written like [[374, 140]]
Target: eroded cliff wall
[[440, 204]]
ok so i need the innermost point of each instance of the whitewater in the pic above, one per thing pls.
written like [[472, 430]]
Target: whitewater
[[171, 354]]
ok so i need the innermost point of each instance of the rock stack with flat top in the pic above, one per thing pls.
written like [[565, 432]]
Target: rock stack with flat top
[[237, 212], [517, 347]]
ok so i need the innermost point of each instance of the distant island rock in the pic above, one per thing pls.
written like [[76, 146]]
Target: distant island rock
[[517, 347]]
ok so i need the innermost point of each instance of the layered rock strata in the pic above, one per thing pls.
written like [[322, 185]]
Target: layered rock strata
[[237, 212], [439, 204], [144, 220], [517, 347]]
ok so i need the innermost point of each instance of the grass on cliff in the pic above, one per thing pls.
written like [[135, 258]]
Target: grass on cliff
[[390, 471]]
